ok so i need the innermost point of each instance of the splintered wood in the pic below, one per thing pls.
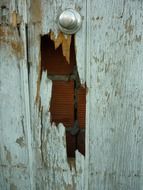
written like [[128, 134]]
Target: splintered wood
[[64, 41], [33, 152], [15, 19]]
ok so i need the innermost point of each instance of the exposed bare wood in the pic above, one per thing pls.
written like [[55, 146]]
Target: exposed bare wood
[[50, 13], [15, 19], [32, 150], [15, 147], [51, 167], [63, 40]]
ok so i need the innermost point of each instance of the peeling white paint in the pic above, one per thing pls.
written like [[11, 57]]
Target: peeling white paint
[[33, 151], [116, 95], [14, 159], [51, 167]]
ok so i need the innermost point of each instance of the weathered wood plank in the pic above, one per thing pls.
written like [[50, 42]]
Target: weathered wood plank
[[34, 156], [14, 111], [51, 167], [116, 99]]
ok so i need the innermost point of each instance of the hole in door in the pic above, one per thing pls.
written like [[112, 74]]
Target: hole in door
[[68, 101]]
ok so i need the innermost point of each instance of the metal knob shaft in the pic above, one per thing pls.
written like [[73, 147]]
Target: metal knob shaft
[[69, 21]]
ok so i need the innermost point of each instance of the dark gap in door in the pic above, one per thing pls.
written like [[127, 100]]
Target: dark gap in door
[[68, 99]]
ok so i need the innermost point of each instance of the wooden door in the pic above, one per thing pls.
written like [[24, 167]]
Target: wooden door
[[33, 151], [108, 57]]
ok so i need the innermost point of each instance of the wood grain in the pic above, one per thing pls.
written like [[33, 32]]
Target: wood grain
[[116, 97], [15, 146], [51, 167], [109, 59]]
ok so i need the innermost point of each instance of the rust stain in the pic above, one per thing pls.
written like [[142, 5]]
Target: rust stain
[[64, 41]]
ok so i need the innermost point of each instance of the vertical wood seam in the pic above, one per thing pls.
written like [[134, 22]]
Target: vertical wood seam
[[87, 58], [27, 99]]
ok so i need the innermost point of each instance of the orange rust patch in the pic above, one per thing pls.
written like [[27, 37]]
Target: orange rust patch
[[64, 41]]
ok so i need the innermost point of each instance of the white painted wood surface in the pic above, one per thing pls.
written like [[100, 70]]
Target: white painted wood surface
[[109, 55], [15, 170], [116, 97], [50, 163], [33, 153]]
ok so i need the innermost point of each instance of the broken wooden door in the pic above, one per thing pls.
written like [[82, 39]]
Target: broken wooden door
[[33, 151], [108, 56]]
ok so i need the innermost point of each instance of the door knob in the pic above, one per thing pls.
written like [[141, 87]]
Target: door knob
[[69, 21]]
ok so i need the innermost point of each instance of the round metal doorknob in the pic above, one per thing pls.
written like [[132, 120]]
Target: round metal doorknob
[[69, 21]]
